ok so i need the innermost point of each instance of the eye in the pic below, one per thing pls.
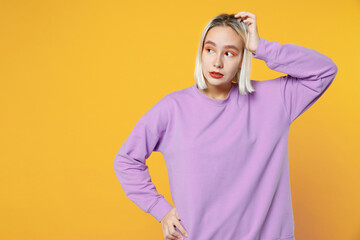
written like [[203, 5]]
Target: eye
[[231, 53], [208, 49]]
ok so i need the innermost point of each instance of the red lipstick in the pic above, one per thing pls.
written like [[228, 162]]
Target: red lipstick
[[216, 75]]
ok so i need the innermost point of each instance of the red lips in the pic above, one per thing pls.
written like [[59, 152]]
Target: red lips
[[216, 75]]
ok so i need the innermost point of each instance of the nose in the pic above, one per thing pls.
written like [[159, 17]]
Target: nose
[[218, 62]]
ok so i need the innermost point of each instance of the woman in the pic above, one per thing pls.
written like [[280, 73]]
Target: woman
[[225, 138]]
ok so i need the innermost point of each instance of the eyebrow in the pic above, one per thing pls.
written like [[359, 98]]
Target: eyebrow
[[226, 46]]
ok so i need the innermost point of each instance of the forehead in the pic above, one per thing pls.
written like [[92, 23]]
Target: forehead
[[223, 35]]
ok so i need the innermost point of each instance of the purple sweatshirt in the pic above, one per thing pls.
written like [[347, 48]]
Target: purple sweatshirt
[[227, 159]]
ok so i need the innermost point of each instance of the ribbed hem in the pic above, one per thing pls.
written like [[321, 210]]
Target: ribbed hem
[[160, 209], [286, 238]]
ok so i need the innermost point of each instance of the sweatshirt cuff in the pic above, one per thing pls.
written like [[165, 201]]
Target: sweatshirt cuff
[[261, 50], [160, 209]]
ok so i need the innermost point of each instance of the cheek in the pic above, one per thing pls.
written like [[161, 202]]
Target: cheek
[[236, 63], [234, 66], [205, 61]]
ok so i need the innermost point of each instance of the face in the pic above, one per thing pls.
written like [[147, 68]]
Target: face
[[222, 52]]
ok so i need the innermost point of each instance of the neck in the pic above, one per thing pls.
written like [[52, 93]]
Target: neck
[[217, 91]]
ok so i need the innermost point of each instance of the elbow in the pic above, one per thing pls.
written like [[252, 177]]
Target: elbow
[[329, 79], [330, 73], [334, 70], [118, 164], [114, 163], [119, 170]]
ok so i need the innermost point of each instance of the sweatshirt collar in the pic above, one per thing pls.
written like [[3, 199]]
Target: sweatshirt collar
[[212, 100]]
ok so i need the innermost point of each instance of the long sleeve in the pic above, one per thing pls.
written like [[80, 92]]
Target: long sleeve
[[309, 73], [130, 167]]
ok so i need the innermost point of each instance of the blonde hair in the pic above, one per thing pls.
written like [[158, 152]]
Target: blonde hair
[[243, 75]]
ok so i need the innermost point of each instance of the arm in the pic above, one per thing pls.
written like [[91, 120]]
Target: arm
[[130, 167], [309, 73]]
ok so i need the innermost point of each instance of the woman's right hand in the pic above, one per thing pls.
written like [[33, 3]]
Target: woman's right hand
[[169, 222]]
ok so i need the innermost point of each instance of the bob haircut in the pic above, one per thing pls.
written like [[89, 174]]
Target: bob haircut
[[243, 75]]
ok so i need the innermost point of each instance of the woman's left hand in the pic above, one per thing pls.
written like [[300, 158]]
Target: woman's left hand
[[252, 38]]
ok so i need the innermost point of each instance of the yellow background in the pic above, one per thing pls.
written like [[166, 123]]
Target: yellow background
[[77, 75]]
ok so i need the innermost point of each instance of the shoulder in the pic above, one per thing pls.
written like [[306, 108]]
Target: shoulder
[[267, 86], [266, 83], [166, 102], [177, 96], [267, 91]]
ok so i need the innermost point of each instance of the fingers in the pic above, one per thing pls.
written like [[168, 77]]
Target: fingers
[[168, 235], [245, 15], [181, 228], [249, 20], [173, 233], [172, 221]]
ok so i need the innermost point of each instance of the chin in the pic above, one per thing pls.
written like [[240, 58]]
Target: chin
[[216, 82]]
